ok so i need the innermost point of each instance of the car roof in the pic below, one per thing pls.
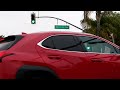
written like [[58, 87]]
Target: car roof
[[61, 32], [67, 33]]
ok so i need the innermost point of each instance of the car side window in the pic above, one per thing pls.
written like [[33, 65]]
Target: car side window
[[63, 42], [95, 45], [48, 43]]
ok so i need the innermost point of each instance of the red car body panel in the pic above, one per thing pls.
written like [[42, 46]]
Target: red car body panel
[[65, 64]]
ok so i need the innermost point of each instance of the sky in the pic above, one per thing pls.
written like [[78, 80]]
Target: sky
[[16, 22]]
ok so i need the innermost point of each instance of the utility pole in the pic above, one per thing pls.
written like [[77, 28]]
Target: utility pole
[[38, 13]]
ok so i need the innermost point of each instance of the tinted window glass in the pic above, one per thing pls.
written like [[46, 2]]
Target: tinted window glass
[[118, 51], [9, 42], [66, 42], [48, 43], [96, 45], [63, 42]]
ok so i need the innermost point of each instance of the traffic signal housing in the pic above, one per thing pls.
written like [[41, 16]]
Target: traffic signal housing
[[33, 18]]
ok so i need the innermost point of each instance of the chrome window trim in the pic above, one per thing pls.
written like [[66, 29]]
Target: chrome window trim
[[40, 44]]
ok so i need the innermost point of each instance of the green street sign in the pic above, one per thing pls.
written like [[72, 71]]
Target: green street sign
[[61, 27]]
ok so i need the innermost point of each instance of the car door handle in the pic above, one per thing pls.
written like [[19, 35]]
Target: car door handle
[[96, 60], [55, 57]]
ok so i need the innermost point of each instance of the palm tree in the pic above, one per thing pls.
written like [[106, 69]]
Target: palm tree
[[86, 15], [99, 14], [84, 22], [107, 13]]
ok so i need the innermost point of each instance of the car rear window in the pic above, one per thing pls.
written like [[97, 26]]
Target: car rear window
[[9, 41]]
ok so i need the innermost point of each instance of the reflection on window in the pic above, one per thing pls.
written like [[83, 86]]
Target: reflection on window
[[96, 45], [63, 42]]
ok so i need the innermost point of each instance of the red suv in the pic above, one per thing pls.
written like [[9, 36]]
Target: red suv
[[58, 55]]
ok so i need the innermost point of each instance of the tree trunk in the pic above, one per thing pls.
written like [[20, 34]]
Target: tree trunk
[[98, 18], [86, 16]]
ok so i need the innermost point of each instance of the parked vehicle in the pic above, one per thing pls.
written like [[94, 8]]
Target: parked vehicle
[[58, 55]]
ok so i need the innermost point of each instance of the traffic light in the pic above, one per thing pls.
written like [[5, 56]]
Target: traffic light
[[33, 18]]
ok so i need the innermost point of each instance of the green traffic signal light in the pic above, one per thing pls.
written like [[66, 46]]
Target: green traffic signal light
[[33, 22]]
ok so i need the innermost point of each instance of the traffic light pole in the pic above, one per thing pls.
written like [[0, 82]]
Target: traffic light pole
[[61, 20]]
